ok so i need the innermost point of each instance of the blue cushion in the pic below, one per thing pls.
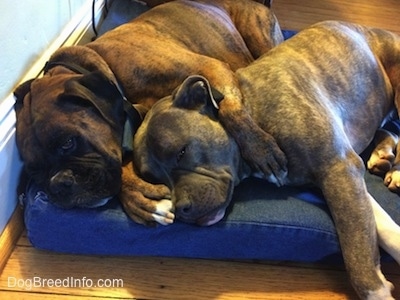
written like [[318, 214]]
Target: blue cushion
[[263, 221]]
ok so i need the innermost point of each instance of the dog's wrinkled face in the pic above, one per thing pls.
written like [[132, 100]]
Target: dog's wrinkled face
[[69, 130], [182, 144]]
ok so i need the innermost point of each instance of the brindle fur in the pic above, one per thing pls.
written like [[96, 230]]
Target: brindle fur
[[322, 95]]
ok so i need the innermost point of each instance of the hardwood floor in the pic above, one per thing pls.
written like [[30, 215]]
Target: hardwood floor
[[298, 14], [28, 271], [175, 278]]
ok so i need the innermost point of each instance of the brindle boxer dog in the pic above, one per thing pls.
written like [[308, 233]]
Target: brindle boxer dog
[[70, 122], [322, 94]]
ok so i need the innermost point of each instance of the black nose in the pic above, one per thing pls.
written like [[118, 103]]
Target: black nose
[[62, 181], [183, 208]]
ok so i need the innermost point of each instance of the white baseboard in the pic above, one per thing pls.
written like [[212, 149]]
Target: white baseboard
[[77, 31]]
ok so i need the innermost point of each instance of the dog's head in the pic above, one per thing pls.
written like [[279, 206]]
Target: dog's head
[[182, 144], [69, 131]]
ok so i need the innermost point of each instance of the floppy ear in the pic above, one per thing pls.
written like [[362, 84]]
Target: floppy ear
[[196, 93], [20, 93], [96, 90]]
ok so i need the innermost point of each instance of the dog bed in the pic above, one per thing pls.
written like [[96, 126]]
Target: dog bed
[[263, 222]]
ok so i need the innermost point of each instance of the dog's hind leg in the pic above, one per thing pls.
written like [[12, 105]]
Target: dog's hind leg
[[388, 230], [392, 177], [257, 25], [385, 159]]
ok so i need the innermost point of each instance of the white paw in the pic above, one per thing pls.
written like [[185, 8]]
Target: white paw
[[384, 292], [381, 294], [163, 214]]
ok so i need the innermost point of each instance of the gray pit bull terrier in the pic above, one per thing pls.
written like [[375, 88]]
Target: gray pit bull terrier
[[322, 94]]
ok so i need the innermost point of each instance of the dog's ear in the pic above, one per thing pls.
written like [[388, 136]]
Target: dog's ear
[[20, 93], [196, 93], [96, 90]]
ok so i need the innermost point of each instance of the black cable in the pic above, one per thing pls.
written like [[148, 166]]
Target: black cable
[[93, 20], [93, 17]]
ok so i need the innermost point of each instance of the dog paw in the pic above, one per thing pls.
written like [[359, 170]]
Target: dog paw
[[155, 191], [381, 161], [163, 214], [145, 203], [385, 292], [265, 157], [392, 180], [382, 157], [146, 211]]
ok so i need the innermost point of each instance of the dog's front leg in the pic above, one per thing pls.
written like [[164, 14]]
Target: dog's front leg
[[145, 203], [258, 148], [345, 191]]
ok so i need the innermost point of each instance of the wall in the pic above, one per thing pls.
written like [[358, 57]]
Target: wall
[[27, 29], [30, 31]]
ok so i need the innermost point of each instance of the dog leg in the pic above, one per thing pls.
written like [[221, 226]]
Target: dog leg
[[388, 230], [257, 147], [258, 26], [342, 180], [385, 159], [144, 202], [389, 240], [392, 177]]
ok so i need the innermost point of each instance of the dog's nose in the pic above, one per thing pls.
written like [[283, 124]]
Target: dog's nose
[[183, 208], [62, 180]]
